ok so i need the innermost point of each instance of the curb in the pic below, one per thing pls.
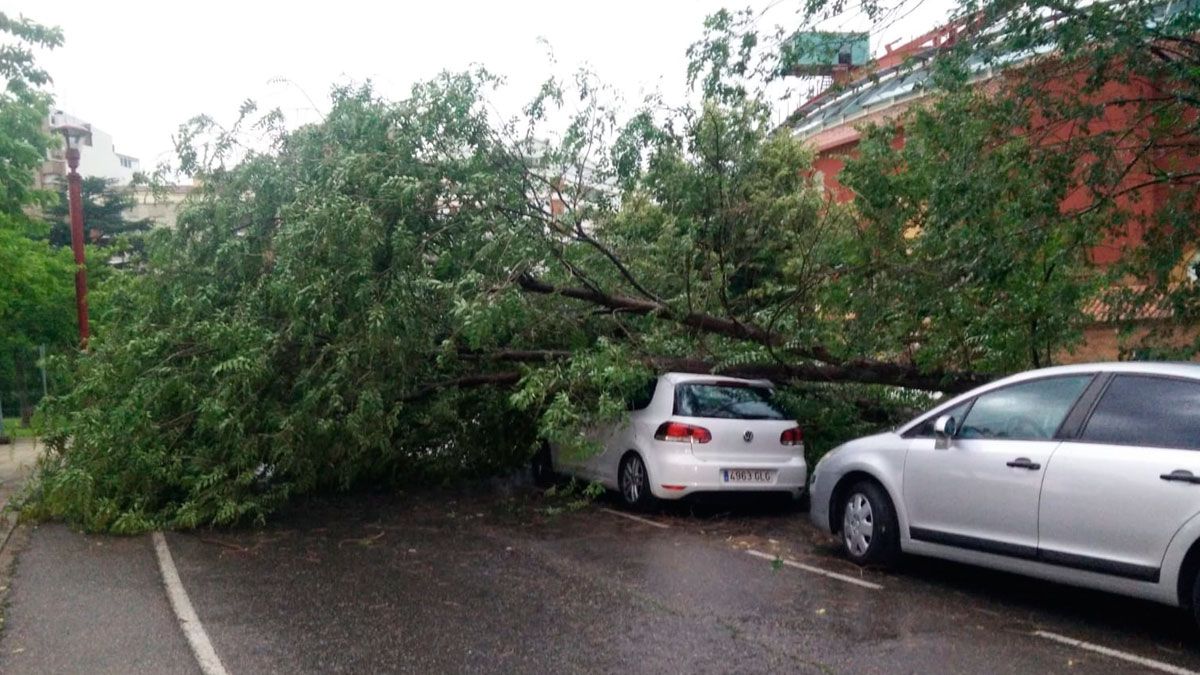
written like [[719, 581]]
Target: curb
[[12, 519], [9, 528]]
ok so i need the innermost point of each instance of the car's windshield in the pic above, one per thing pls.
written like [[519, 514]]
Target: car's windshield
[[726, 400]]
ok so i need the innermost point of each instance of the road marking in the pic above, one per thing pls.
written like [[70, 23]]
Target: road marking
[[817, 570], [637, 518], [193, 630], [1124, 656]]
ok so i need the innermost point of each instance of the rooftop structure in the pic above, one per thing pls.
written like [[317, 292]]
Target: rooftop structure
[[97, 157]]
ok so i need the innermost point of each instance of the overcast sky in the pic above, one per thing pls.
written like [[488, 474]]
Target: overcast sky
[[139, 69]]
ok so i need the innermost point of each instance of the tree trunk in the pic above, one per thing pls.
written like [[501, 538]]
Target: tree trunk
[[23, 405]]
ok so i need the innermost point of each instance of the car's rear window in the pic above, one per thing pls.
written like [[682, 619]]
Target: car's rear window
[[726, 401]]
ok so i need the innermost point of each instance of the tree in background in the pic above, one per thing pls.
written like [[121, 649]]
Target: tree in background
[[104, 208], [962, 225], [1111, 109], [36, 292], [1095, 113], [1131, 121]]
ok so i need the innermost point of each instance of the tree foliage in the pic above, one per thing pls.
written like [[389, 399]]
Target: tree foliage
[[104, 215], [962, 224], [1095, 106], [1117, 98], [35, 280]]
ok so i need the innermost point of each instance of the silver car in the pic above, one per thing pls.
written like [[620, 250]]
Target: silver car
[[1086, 475]]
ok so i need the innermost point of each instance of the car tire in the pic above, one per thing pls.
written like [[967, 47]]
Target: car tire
[[634, 483], [1196, 599], [869, 532], [541, 467]]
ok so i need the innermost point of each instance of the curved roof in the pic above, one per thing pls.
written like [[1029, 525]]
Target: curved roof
[[879, 91], [907, 81]]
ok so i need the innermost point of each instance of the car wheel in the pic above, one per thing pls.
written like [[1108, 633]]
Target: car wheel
[[635, 483], [542, 467], [870, 533]]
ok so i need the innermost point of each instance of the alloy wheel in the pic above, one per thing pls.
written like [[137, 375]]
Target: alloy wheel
[[631, 479], [858, 524]]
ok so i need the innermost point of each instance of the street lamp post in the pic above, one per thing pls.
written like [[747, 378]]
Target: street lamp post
[[74, 136]]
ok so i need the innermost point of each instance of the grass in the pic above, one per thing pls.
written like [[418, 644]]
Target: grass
[[13, 428]]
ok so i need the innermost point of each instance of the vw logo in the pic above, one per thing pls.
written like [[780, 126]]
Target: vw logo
[[748, 436]]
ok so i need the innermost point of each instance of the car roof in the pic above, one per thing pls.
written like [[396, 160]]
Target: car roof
[[1165, 368], [678, 378], [1169, 368]]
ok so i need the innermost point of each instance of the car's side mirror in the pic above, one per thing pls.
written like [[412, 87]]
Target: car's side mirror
[[943, 430]]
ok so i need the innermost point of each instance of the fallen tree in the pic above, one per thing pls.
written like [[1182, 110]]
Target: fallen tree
[[415, 290]]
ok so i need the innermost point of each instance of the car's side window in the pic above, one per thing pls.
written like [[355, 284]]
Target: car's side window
[[925, 429], [1145, 410], [643, 397], [1027, 411]]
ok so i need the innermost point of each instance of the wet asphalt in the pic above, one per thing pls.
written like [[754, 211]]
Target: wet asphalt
[[505, 582], [82, 604]]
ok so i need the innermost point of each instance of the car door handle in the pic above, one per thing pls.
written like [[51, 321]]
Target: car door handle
[[1024, 463], [1182, 476]]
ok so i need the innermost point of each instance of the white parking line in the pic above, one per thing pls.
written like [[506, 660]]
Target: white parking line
[[1124, 656], [817, 570], [193, 630], [640, 519]]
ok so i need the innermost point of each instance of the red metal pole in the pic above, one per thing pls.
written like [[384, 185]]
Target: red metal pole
[[75, 198]]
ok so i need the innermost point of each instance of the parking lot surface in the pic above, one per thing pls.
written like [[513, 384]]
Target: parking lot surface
[[467, 583]]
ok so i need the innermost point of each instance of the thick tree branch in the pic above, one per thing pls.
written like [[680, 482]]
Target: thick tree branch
[[630, 305], [505, 378], [861, 372], [704, 322], [577, 232], [517, 355], [826, 368]]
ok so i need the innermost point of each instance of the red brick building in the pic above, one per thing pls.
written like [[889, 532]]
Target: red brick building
[[882, 91]]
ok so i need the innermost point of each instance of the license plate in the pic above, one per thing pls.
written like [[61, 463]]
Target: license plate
[[748, 475]]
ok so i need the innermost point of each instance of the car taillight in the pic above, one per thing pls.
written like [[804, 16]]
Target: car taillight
[[793, 436], [677, 431]]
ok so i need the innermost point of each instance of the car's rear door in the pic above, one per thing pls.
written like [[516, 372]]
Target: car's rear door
[[981, 492], [616, 438], [1114, 496]]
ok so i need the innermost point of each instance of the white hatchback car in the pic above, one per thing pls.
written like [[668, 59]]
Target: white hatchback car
[[1086, 475], [693, 433]]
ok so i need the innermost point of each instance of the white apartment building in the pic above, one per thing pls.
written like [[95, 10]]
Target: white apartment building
[[97, 157]]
